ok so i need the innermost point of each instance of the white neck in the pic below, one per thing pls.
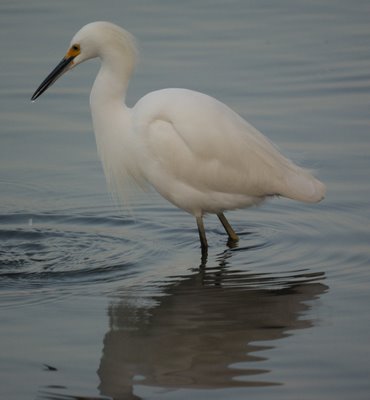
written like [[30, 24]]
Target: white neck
[[112, 121], [113, 77]]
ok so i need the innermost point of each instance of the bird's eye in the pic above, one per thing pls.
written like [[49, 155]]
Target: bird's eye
[[73, 51]]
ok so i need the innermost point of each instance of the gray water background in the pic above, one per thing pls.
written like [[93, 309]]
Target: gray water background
[[98, 301]]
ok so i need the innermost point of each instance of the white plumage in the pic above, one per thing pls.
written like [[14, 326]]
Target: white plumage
[[194, 150]]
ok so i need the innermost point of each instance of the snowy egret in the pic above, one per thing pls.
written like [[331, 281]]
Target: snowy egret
[[194, 150]]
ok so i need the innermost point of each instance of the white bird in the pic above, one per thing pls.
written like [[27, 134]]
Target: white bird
[[194, 150]]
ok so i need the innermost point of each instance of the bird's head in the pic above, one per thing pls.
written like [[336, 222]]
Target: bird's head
[[97, 39]]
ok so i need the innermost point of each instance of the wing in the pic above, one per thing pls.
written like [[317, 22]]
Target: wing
[[194, 139]]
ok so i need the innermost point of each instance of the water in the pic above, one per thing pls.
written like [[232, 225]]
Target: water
[[102, 302]]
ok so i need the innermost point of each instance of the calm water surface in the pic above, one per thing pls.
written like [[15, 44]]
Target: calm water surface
[[104, 302]]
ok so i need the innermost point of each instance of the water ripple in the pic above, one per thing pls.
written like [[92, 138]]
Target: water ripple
[[79, 250], [41, 251]]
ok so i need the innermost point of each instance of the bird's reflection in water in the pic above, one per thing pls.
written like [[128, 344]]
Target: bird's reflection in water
[[205, 331]]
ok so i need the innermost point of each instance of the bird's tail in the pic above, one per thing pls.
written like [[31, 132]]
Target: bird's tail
[[301, 185]]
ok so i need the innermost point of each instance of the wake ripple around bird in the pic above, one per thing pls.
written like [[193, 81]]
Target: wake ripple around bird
[[101, 250]]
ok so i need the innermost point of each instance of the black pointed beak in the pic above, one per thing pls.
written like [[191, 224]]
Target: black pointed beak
[[57, 72]]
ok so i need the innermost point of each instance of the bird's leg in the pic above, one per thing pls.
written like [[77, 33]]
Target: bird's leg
[[228, 228], [202, 235]]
